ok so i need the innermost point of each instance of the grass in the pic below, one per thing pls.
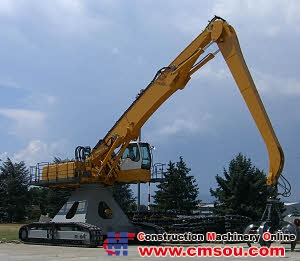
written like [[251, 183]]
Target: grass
[[9, 232]]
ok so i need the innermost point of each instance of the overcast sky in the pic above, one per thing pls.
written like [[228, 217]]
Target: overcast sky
[[69, 69]]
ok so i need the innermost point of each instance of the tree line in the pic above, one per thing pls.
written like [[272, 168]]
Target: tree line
[[240, 190]]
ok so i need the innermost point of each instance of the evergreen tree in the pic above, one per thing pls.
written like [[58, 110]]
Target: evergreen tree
[[38, 197], [123, 195], [178, 190], [14, 182], [242, 191], [38, 202], [55, 199]]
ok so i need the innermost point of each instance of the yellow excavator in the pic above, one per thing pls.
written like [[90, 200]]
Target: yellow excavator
[[91, 212]]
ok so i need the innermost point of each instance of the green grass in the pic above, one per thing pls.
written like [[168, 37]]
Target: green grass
[[9, 232]]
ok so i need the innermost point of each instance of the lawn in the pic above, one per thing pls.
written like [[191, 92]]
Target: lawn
[[9, 232]]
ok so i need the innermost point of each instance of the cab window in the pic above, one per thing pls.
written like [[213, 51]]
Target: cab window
[[132, 152]]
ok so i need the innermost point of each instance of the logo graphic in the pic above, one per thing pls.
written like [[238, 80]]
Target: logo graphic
[[117, 241]]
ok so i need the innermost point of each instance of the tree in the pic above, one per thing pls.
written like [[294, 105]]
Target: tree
[[123, 195], [178, 190], [38, 202], [242, 191], [55, 199], [14, 182]]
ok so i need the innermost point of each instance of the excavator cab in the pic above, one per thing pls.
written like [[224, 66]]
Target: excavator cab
[[137, 155], [135, 163]]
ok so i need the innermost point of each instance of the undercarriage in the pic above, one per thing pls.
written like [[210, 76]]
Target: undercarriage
[[84, 220]]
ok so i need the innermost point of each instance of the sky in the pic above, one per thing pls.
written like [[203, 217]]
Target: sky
[[69, 69]]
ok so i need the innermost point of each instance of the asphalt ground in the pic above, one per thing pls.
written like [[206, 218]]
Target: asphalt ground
[[17, 252]]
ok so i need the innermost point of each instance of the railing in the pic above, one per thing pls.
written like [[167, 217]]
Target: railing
[[157, 172], [45, 173]]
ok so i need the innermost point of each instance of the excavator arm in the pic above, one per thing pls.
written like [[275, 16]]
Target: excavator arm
[[175, 77], [230, 49], [102, 164]]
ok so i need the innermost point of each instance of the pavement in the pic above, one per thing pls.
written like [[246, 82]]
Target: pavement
[[18, 252]]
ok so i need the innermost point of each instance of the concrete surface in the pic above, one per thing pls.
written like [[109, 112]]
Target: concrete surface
[[17, 252]]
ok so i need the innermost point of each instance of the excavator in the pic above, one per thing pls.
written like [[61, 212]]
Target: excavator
[[91, 211]]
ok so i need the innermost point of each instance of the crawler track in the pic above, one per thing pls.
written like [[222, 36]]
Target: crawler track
[[61, 234]]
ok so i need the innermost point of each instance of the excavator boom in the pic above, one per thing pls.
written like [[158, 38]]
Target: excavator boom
[[175, 76], [102, 164]]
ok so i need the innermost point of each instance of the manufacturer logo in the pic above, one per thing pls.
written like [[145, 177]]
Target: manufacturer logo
[[117, 242]]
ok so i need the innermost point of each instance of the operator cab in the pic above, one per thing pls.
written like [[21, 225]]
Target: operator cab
[[136, 156]]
